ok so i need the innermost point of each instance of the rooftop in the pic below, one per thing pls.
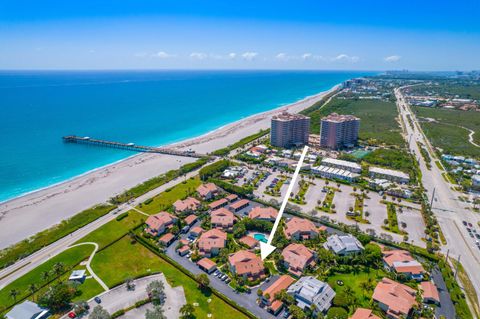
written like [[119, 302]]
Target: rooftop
[[343, 244], [285, 116], [301, 225], [362, 313], [397, 297], [213, 238], [263, 213], [429, 291], [335, 117], [246, 262], [283, 282]]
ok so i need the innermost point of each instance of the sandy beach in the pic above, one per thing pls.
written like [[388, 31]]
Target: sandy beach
[[26, 215]]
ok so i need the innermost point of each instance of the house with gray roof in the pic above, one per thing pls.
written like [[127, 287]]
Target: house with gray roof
[[343, 245], [27, 310], [309, 291]]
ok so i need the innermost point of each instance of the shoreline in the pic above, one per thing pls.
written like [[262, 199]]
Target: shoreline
[[45, 207]]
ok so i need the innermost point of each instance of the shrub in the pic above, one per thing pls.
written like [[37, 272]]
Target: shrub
[[121, 216]]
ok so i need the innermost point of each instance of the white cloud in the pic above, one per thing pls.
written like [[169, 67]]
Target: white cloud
[[282, 57], [198, 55], [392, 58], [307, 56], [162, 55], [232, 55], [346, 58], [249, 56], [313, 57]]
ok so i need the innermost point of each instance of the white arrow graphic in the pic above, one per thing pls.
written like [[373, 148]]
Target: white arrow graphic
[[267, 248]]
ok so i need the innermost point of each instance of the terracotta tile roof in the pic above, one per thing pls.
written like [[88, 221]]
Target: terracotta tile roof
[[362, 313], [276, 305], [299, 225], [283, 282], [162, 219], [263, 213], [184, 241], [218, 203], [397, 297], [249, 241], [205, 189], [239, 203], [190, 219], [166, 238], [183, 249], [402, 261], [222, 217], [297, 256], [430, 291], [187, 204], [197, 230], [246, 263], [206, 263], [231, 197], [213, 238]]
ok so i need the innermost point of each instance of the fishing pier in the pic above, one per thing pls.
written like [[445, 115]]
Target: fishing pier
[[130, 146]]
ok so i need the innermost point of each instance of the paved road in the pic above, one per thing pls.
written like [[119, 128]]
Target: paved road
[[449, 211], [25, 265]]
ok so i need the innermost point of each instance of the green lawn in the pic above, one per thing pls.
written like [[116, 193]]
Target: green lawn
[[123, 259], [354, 281], [398, 159], [69, 258], [378, 119], [165, 200], [446, 133], [114, 229]]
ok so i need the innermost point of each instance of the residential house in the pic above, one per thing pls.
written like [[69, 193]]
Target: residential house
[[395, 299], [184, 250], [157, 224], [166, 239], [343, 245], [249, 241], [207, 265], [222, 202], [196, 231], [187, 205], [309, 291], [268, 298], [362, 313], [263, 213], [402, 262], [211, 241], [27, 310], [246, 264], [232, 197], [297, 257], [222, 218], [207, 191], [430, 292], [190, 220], [239, 205], [300, 229]]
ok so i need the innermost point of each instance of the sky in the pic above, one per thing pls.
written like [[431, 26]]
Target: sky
[[212, 34]]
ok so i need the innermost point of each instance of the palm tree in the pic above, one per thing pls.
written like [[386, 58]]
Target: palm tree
[[349, 294], [58, 268], [187, 310], [32, 288], [364, 286], [14, 293], [45, 275]]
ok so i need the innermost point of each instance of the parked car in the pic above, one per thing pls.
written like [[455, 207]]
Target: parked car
[[72, 314], [464, 223], [98, 300]]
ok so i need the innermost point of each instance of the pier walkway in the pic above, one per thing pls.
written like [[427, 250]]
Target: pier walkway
[[130, 146]]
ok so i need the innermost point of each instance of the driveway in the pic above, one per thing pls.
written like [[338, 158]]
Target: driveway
[[446, 307]]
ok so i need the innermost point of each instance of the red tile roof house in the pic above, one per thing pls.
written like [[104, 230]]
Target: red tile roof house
[[182, 251], [430, 292], [402, 262], [268, 297], [157, 224], [210, 242], [207, 265], [190, 220], [250, 242], [232, 197], [297, 257], [222, 218], [300, 229], [196, 231], [187, 205], [207, 191], [239, 205], [166, 239], [395, 299], [246, 264], [362, 313], [218, 204], [263, 213]]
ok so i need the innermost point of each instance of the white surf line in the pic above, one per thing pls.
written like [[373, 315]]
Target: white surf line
[[267, 248]]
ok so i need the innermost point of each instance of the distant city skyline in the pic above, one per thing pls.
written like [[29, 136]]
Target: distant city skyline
[[370, 35]]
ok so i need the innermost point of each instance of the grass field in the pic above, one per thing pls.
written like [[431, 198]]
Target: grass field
[[446, 133], [165, 200], [378, 119], [398, 159], [69, 258], [131, 260]]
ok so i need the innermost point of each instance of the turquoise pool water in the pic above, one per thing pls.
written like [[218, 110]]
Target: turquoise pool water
[[260, 237]]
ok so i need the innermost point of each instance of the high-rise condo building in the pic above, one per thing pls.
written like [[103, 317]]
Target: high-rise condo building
[[289, 130], [337, 131]]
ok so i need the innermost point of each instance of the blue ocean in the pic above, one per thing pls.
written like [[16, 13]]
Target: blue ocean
[[145, 107]]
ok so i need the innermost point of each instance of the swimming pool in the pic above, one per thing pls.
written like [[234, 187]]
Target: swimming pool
[[260, 237]]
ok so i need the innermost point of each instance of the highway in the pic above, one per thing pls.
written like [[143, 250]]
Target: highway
[[32, 261], [450, 211]]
